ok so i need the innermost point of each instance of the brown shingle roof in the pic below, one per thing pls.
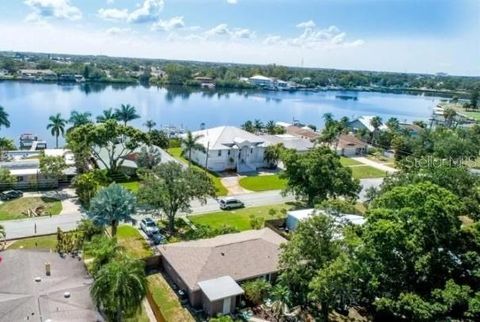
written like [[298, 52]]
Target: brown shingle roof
[[241, 255], [303, 133], [349, 141]]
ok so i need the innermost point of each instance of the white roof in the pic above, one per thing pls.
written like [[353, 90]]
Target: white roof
[[261, 77], [225, 137], [366, 120], [307, 213], [220, 288], [283, 124]]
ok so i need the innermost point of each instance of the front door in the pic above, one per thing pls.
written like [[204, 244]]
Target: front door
[[226, 305]]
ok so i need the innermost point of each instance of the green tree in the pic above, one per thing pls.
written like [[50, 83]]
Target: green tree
[[158, 138], [270, 127], [102, 249], [258, 126], [393, 124], [170, 188], [248, 126], [120, 287], [52, 166], [4, 118], [449, 114], [256, 290], [87, 184], [6, 179], [273, 154], [150, 124], [126, 113], [107, 115], [375, 122], [317, 176], [190, 143], [56, 126], [474, 98], [117, 140], [149, 157], [111, 205], [3, 234], [77, 118]]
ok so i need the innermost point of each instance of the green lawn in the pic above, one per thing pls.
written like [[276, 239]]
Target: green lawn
[[132, 186], [364, 172], [13, 209], [474, 115], [348, 162], [239, 219], [262, 183], [221, 190], [134, 243], [43, 242], [166, 300]]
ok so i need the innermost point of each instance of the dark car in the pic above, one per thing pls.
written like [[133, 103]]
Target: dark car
[[11, 194], [158, 238]]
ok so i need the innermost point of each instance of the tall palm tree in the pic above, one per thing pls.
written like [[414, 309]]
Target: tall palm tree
[[189, 143], [258, 125], [375, 122], [106, 115], [270, 127], [328, 119], [449, 115], [56, 126], [103, 249], [119, 287], [248, 126], [126, 113], [4, 117], [79, 118], [150, 124]]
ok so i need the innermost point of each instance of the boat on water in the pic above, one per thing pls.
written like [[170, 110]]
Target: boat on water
[[347, 97]]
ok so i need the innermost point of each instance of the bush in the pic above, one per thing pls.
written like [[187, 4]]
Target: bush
[[256, 290], [257, 222]]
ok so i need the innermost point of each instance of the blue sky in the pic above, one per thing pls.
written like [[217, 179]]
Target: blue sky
[[393, 35]]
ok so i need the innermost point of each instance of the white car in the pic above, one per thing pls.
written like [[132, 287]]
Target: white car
[[230, 203], [149, 227]]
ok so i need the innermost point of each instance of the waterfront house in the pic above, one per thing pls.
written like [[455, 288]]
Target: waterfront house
[[29, 141], [261, 81], [364, 123], [349, 145], [42, 286], [37, 74], [292, 142], [230, 148], [295, 217], [209, 270]]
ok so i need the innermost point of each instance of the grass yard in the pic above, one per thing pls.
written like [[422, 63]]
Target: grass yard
[[364, 172], [473, 115], [166, 300], [132, 185], [134, 243], [348, 162], [13, 209], [263, 183], [43, 242], [221, 190], [239, 219]]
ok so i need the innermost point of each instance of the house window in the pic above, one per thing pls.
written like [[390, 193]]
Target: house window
[[228, 152], [219, 153], [251, 150]]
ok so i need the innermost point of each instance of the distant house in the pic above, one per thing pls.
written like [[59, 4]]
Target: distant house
[[261, 81], [37, 74], [28, 293], [209, 270], [289, 141], [412, 129], [295, 217], [302, 132], [230, 148], [364, 123], [349, 145], [29, 141], [25, 167]]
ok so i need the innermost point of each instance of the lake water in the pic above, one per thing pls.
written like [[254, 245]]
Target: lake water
[[30, 104]]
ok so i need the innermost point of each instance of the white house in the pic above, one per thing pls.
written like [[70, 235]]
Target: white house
[[230, 148], [364, 122], [262, 81], [349, 146], [294, 218]]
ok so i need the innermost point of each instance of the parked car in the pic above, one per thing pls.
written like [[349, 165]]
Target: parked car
[[11, 194], [158, 238], [230, 203], [148, 226]]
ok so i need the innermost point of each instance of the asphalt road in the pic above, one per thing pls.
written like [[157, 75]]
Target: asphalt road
[[68, 219]]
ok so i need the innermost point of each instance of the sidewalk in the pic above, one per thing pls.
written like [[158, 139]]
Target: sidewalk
[[375, 164]]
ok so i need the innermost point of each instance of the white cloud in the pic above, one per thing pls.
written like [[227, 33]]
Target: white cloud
[[224, 30], [149, 11], [48, 9], [272, 40], [232, 1], [243, 33], [219, 30], [307, 24], [170, 24], [117, 31], [113, 14]]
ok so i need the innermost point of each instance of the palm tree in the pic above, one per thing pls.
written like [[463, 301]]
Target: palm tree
[[449, 115], [3, 234], [78, 118], [375, 122], [270, 127], [126, 113], [150, 124], [112, 205], [189, 143], [257, 125], [57, 126], [103, 249], [4, 118], [393, 124], [106, 115], [120, 287], [248, 126], [328, 119]]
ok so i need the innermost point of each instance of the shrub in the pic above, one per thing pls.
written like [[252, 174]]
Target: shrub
[[256, 290]]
